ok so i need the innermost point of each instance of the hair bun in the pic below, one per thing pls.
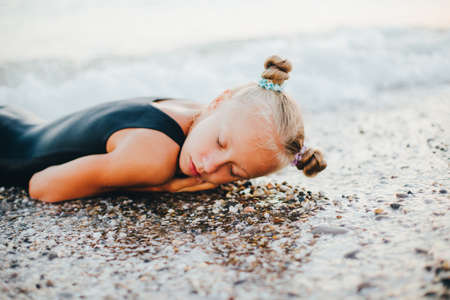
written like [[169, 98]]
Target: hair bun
[[276, 69], [312, 162]]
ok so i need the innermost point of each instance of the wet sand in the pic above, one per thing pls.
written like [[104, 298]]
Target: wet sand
[[375, 224]]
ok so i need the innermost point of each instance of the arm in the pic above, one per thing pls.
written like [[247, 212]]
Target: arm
[[77, 178], [92, 175], [134, 163], [190, 184]]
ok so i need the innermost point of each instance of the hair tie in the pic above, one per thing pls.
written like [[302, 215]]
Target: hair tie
[[269, 85], [299, 155]]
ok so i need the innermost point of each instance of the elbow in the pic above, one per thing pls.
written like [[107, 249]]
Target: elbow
[[37, 189], [33, 188]]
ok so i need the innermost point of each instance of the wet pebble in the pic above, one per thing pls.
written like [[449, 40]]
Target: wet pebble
[[249, 209], [395, 205], [65, 295], [401, 195], [378, 211], [325, 229], [52, 256], [352, 254], [364, 285]]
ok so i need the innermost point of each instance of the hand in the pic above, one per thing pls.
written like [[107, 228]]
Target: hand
[[199, 187], [175, 185]]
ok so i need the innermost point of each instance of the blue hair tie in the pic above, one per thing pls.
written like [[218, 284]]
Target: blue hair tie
[[269, 85]]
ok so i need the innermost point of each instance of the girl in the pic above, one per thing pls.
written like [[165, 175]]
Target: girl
[[158, 144]]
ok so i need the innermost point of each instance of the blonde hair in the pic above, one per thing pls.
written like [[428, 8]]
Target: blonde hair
[[283, 112]]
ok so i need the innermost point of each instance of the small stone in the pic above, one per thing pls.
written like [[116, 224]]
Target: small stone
[[395, 205], [351, 255], [65, 295], [363, 285], [52, 255], [445, 265], [401, 195], [289, 197], [249, 209], [238, 282], [325, 229], [277, 220], [378, 211], [446, 282], [233, 209], [49, 283], [443, 191], [421, 251]]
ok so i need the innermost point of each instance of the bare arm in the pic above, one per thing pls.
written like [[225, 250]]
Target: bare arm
[[190, 184], [135, 163], [74, 179]]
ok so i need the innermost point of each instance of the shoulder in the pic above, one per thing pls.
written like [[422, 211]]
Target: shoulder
[[182, 111], [145, 156]]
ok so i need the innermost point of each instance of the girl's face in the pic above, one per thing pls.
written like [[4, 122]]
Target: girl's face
[[223, 146]]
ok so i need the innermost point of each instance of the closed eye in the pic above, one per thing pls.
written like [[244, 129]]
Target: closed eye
[[232, 174], [219, 143]]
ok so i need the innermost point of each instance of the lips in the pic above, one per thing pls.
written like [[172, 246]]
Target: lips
[[194, 169]]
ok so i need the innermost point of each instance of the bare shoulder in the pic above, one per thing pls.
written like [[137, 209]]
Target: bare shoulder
[[148, 156], [182, 103], [182, 111]]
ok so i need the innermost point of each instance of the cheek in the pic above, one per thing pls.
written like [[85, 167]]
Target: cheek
[[221, 176]]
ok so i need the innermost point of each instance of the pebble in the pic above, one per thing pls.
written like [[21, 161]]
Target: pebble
[[325, 229], [443, 191], [65, 295], [378, 211], [395, 205], [363, 285], [401, 195], [249, 209], [52, 256], [352, 254]]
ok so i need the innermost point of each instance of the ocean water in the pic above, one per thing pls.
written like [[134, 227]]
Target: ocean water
[[65, 55]]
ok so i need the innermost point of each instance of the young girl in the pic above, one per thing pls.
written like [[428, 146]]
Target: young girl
[[158, 144]]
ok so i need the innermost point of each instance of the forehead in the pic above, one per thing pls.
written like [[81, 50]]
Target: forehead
[[248, 134]]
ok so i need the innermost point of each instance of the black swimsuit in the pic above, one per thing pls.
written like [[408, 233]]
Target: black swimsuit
[[29, 146]]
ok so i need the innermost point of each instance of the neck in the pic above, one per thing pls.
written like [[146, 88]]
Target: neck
[[195, 117]]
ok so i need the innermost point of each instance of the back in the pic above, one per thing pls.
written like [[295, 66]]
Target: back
[[79, 134]]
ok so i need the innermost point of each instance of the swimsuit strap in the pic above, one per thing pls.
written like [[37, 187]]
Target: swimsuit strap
[[168, 125]]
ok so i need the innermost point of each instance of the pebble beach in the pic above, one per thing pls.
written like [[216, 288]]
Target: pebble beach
[[373, 84]]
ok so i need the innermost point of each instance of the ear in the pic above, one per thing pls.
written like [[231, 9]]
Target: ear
[[224, 96]]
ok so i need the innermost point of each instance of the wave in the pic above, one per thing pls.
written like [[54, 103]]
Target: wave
[[333, 69]]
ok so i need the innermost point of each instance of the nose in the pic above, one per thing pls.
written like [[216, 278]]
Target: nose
[[212, 162]]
